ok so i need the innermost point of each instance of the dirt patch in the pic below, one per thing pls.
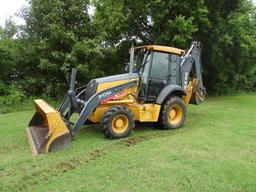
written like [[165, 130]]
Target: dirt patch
[[74, 162], [65, 166], [96, 154], [84, 159], [133, 141]]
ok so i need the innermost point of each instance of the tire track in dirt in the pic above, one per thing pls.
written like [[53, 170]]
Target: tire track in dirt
[[54, 170]]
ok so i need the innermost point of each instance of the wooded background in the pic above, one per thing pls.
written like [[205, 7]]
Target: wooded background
[[36, 58]]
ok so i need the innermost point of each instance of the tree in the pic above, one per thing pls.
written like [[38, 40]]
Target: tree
[[229, 46], [64, 38], [60, 34], [226, 28], [8, 53]]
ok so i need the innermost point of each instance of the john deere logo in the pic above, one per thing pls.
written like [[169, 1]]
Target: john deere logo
[[104, 95]]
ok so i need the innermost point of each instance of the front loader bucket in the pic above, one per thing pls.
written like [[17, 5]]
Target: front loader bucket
[[47, 131]]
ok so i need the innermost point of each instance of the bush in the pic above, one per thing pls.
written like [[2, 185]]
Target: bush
[[15, 97]]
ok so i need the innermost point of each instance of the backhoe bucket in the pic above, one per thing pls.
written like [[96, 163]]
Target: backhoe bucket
[[198, 96], [47, 131]]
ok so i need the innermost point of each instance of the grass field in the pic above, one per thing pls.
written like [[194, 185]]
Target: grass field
[[215, 150]]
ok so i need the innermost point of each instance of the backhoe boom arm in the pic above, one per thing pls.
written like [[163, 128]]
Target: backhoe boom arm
[[191, 63]]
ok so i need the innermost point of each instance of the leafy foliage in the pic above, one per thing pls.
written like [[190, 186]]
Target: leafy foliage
[[229, 55], [61, 34], [226, 29]]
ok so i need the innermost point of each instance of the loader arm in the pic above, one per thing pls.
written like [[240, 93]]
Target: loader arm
[[51, 130], [90, 105]]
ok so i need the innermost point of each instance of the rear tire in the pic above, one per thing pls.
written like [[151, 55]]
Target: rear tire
[[117, 122], [173, 113]]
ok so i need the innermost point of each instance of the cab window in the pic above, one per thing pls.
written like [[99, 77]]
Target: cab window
[[159, 68]]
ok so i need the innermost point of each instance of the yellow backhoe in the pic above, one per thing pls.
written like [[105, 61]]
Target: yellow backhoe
[[159, 82]]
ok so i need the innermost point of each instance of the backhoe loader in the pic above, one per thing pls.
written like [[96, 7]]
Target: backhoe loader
[[158, 85]]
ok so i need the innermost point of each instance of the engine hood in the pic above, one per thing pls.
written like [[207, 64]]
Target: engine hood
[[119, 77]]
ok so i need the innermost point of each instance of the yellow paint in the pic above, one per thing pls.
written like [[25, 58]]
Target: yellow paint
[[141, 112], [175, 114], [42, 105], [162, 48], [123, 101], [189, 90], [53, 122], [97, 115], [132, 90], [56, 127], [103, 86], [120, 123], [145, 112]]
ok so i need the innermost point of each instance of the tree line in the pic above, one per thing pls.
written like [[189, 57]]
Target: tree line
[[36, 58]]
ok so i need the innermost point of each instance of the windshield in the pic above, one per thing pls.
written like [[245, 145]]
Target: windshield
[[141, 57]]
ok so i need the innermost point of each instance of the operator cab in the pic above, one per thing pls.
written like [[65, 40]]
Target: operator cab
[[157, 66]]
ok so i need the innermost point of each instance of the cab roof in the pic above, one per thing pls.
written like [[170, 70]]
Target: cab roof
[[162, 49]]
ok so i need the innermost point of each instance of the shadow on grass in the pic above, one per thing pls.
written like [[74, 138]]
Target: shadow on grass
[[149, 130], [95, 129]]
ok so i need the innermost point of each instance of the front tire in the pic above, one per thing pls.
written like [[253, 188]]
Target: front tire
[[117, 122], [173, 113]]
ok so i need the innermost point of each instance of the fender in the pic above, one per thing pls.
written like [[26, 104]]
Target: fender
[[168, 90]]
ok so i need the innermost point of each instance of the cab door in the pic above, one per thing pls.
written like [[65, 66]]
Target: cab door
[[159, 75]]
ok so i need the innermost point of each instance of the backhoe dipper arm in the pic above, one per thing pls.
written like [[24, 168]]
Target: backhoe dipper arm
[[90, 105], [192, 62]]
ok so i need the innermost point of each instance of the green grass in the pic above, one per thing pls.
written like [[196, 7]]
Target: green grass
[[215, 150], [8, 104]]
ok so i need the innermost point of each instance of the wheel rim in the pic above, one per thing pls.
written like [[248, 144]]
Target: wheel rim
[[175, 114], [120, 123]]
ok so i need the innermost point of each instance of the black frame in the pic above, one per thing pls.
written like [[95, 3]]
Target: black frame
[[168, 80]]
